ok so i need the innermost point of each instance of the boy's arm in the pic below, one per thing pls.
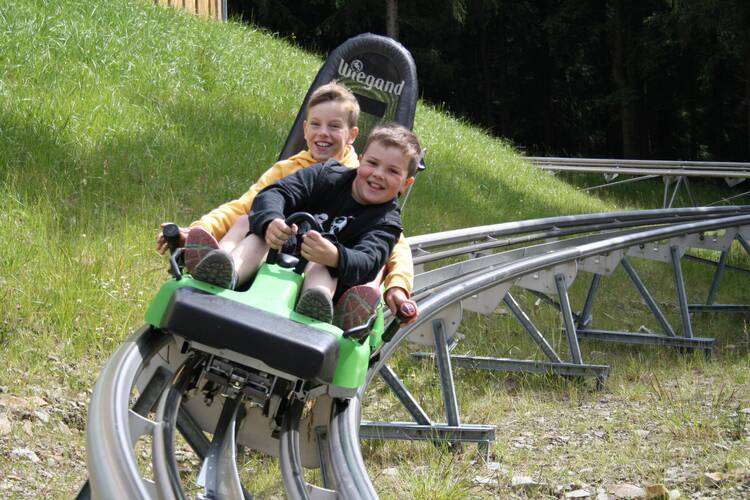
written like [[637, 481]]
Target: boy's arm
[[219, 220], [400, 268], [362, 261], [283, 196]]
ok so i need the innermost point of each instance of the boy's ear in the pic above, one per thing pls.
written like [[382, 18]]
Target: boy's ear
[[353, 133]]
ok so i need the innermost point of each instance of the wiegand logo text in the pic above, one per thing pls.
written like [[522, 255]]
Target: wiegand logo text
[[355, 71]]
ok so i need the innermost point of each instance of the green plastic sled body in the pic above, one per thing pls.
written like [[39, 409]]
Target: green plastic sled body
[[261, 324]]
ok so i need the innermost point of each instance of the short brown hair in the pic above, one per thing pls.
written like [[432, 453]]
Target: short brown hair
[[334, 91], [395, 135]]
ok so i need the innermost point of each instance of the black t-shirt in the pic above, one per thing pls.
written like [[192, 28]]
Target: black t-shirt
[[363, 234]]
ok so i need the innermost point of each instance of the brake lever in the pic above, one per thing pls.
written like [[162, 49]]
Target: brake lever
[[360, 332], [171, 232]]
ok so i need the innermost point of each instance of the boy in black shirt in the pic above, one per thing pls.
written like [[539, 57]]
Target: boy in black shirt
[[356, 208]]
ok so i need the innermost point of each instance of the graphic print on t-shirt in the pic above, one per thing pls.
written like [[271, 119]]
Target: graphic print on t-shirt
[[333, 227]]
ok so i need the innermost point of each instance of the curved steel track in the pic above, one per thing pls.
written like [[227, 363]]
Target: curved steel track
[[150, 389], [675, 174]]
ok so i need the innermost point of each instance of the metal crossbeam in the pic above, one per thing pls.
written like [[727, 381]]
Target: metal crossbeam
[[483, 435], [601, 372], [726, 308], [707, 344]]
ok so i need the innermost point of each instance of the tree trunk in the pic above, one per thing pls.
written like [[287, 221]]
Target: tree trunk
[[484, 70], [391, 18], [624, 86]]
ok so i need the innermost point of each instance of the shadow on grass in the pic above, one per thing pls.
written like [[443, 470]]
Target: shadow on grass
[[214, 154]]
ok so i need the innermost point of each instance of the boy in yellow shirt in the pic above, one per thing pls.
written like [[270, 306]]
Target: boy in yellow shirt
[[329, 130]]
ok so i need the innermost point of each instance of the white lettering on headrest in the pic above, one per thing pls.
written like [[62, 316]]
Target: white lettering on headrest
[[355, 72]]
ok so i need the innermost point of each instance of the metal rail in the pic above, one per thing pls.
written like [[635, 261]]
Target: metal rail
[[147, 360], [738, 170], [466, 283], [464, 287], [674, 173], [550, 226]]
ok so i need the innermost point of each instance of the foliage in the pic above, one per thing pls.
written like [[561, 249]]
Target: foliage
[[660, 80]]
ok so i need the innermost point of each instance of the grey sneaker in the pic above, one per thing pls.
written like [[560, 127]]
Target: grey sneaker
[[356, 306], [317, 304], [198, 244], [217, 269]]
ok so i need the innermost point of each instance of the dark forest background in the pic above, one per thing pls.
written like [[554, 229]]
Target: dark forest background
[[656, 79]]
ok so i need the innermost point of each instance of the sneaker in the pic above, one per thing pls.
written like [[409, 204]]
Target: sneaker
[[198, 244], [356, 306], [316, 303], [217, 269]]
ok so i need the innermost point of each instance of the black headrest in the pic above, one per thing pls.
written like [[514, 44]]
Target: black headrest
[[381, 74]]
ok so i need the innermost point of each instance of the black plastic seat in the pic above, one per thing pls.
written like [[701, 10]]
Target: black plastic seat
[[293, 348], [383, 77]]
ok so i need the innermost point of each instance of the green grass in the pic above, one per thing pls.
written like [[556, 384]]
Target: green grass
[[116, 116]]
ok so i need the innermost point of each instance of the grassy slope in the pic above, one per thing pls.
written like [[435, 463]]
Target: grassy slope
[[115, 116], [118, 116]]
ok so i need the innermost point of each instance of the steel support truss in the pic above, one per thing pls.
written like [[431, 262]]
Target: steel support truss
[[556, 279]]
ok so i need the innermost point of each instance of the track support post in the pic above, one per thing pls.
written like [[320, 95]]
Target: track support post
[[445, 370], [567, 313], [687, 328]]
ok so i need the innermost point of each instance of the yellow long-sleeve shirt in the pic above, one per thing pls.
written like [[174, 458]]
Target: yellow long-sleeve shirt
[[399, 269]]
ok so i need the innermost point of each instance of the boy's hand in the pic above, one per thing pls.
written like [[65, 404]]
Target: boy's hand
[[396, 296], [161, 241], [278, 232], [315, 248]]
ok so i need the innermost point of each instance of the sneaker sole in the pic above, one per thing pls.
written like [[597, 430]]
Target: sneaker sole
[[198, 244], [356, 306], [216, 269], [315, 305]]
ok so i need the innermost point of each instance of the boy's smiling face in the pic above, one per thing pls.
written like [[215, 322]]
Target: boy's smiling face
[[382, 174], [327, 131]]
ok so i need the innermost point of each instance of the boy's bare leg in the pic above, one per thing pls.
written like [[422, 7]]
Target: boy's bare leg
[[247, 255], [236, 234], [315, 300], [317, 275]]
